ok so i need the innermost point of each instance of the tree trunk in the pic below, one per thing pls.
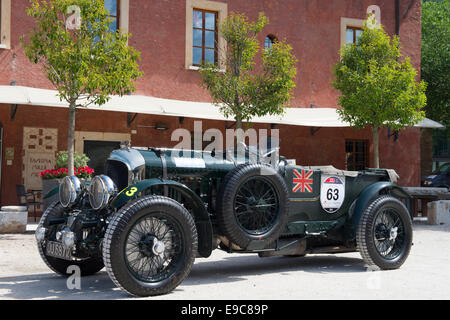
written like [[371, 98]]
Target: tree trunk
[[376, 155], [71, 139], [239, 135]]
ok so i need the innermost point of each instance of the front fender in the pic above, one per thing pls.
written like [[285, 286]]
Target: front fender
[[370, 193], [201, 217], [52, 192]]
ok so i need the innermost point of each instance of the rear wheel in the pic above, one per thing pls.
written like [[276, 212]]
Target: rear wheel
[[150, 246], [384, 235]]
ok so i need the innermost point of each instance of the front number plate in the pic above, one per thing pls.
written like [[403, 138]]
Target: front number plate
[[57, 250]]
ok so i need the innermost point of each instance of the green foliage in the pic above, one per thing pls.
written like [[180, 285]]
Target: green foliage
[[435, 66], [378, 89], [80, 160], [86, 64], [240, 91], [89, 63]]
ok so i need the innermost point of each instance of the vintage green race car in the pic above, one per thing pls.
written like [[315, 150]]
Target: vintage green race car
[[156, 210]]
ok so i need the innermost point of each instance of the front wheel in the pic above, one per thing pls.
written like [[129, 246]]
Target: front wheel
[[87, 266], [384, 235], [150, 246]]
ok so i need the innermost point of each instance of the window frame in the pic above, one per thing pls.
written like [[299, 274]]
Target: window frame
[[118, 27], [222, 9], [203, 29], [354, 30], [272, 40], [349, 23], [357, 165]]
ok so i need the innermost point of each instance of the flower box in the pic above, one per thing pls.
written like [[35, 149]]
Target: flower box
[[51, 178]]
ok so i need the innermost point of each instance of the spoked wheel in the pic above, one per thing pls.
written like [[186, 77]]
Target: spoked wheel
[[256, 205], [385, 233], [252, 204], [150, 246], [153, 248], [389, 234]]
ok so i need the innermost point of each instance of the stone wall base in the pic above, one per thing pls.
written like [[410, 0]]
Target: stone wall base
[[439, 212], [12, 220]]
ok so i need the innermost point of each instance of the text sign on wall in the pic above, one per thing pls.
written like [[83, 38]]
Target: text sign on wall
[[35, 162], [39, 148]]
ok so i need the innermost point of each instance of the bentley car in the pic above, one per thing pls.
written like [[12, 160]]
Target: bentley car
[[155, 210]]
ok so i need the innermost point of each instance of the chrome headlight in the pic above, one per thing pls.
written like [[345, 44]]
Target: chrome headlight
[[101, 189], [70, 190]]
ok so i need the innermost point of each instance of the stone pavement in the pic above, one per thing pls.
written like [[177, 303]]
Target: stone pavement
[[425, 275]]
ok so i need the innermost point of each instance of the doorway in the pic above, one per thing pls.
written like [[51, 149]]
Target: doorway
[[98, 152]]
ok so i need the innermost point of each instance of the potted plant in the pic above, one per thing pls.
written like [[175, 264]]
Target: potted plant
[[52, 177]]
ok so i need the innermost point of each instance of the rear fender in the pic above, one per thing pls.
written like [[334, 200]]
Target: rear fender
[[371, 192], [201, 217]]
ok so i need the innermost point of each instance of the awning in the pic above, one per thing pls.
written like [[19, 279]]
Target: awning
[[311, 117]]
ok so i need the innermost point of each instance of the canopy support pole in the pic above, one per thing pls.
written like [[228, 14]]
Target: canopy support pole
[[314, 130], [130, 118], [13, 111]]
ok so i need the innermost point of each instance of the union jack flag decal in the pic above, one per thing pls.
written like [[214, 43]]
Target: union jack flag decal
[[302, 181]]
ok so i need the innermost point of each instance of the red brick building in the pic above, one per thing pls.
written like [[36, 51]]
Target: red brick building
[[162, 30]]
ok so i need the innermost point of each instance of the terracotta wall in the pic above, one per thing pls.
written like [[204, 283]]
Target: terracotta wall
[[312, 27]]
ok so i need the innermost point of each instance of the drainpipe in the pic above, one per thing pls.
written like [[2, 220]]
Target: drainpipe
[[397, 17]]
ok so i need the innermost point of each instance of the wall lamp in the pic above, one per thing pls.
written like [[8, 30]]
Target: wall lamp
[[159, 126]]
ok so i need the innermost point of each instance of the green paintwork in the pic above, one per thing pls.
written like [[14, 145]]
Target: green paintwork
[[306, 215], [195, 163], [371, 192], [52, 192], [195, 181], [201, 217]]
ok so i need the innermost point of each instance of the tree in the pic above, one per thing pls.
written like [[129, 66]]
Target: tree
[[435, 67], [239, 90], [81, 57], [377, 89]]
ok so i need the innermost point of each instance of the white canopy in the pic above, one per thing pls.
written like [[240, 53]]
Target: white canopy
[[311, 117]]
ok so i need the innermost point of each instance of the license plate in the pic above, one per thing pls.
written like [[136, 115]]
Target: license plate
[[57, 250]]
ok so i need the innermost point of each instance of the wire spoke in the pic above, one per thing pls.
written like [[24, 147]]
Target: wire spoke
[[140, 253]]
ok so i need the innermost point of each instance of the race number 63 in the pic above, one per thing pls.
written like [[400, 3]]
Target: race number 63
[[332, 192]]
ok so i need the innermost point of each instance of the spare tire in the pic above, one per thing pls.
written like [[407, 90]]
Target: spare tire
[[252, 204]]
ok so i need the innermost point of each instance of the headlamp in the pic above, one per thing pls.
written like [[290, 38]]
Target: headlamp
[[101, 189]]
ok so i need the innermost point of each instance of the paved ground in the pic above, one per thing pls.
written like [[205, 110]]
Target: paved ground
[[425, 275]]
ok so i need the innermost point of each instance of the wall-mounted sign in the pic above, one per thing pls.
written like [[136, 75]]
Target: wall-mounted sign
[[9, 154]]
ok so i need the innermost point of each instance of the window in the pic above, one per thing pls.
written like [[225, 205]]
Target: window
[[269, 41], [113, 7], [203, 41], [356, 155], [204, 35], [351, 30], [353, 34]]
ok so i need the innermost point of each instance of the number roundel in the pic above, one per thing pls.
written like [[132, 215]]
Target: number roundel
[[332, 192]]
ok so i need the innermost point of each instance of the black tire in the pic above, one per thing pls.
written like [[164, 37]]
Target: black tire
[[384, 235], [87, 266], [130, 237], [245, 215]]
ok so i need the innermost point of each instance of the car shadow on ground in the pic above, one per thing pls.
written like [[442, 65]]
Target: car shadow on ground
[[236, 267], [50, 286], [231, 268]]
